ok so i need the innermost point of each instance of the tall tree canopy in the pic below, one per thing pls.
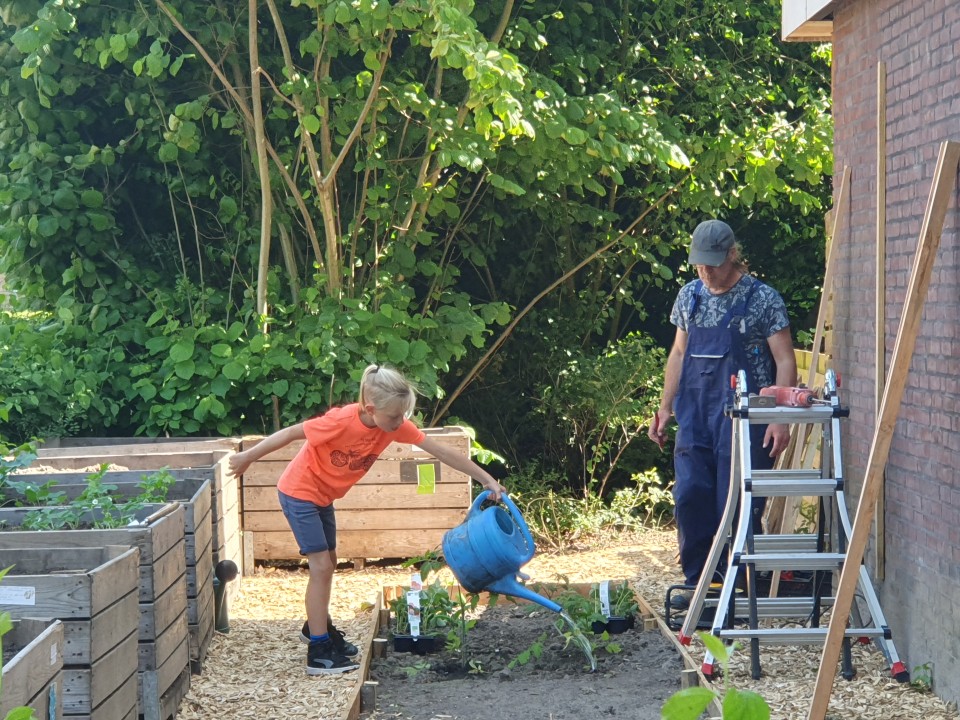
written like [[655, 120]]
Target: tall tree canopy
[[225, 210]]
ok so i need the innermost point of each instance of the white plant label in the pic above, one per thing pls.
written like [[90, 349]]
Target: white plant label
[[18, 595], [605, 598], [413, 612]]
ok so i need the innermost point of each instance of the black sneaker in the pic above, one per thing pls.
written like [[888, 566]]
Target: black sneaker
[[323, 659], [340, 642], [681, 600]]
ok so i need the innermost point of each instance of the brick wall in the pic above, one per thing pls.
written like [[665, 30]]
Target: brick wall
[[919, 42]]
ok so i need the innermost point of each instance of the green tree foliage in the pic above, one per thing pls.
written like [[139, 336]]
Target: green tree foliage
[[433, 176]]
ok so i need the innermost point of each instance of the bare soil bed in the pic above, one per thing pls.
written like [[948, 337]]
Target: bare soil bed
[[257, 670], [636, 672]]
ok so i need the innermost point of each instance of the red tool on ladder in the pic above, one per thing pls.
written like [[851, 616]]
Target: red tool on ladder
[[799, 397]]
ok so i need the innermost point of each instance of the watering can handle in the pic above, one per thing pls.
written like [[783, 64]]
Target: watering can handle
[[517, 518]]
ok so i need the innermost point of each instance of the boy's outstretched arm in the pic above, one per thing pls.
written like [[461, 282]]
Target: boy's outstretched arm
[[239, 462], [448, 456]]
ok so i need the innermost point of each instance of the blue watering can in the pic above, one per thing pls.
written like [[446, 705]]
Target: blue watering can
[[487, 550]]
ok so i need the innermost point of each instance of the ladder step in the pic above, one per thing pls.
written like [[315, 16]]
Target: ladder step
[[788, 474], [817, 413], [781, 607], [794, 561], [785, 607], [795, 636], [790, 542], [794, 488]]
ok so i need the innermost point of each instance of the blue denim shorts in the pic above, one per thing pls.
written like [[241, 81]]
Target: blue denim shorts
[[314, 526]]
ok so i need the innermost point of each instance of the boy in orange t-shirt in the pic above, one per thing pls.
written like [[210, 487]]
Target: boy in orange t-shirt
[[341, 446]]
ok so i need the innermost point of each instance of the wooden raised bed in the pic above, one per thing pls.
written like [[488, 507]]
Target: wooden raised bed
[[394, 511], [194, 493], [93, 590], [163, 665], [33, 668], [174, 456]]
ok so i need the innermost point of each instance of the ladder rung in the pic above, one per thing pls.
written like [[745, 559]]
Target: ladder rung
[[792, 636], [789, 542], [795, 488], [784, 607], [781, 607], [817, 413], [794, 561], [788, 474]]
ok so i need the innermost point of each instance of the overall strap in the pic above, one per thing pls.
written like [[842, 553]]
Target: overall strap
[[740, 309], [697, 289]]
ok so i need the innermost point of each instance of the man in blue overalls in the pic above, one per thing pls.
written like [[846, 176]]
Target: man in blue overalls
[[726, 321]]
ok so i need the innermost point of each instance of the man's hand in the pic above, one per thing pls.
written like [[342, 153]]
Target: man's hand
[[658, 427], [777, 438]]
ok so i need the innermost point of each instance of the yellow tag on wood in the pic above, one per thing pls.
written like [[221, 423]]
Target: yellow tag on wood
[[426, 479]]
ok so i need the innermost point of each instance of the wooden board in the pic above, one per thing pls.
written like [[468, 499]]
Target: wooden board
[[33, 664], [354, 544]]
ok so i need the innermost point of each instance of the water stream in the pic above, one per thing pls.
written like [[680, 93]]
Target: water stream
[[580, 639]]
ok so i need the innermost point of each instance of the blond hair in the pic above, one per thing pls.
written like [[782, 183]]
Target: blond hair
[[384, 387]]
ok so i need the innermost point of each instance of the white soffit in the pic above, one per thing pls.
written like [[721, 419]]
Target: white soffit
[[808, 20]]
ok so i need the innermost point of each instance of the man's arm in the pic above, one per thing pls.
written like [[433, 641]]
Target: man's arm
[[671, 383], [239, 462], [777, 436]]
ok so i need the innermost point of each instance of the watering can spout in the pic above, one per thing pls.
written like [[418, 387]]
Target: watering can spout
[[510, 586]]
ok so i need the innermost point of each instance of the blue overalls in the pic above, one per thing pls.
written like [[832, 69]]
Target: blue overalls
[[702, 450]]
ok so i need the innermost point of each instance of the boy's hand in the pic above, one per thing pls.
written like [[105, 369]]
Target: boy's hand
[[238, 463], [495, 488]]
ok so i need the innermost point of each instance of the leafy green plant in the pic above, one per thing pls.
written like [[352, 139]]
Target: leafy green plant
[[96, 505], [439, 613], [11, 460], [6, 625], [690, 703], [531, 653], [622, 599], [921, 679]]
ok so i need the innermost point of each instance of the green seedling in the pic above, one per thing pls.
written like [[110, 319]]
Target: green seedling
[[690, 703]]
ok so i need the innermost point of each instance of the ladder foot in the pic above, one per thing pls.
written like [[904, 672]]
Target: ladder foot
[[849, 674], [684, 639], [899, 672], [710, 670]]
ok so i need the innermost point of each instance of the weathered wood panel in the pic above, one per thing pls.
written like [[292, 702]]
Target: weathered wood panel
[[101, 618], [160, 577], [354, 544], [33, 668]]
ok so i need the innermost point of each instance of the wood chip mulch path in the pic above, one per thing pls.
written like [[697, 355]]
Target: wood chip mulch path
[[256, 671]]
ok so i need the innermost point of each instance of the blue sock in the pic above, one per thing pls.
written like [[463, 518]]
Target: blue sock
[[320, 638]]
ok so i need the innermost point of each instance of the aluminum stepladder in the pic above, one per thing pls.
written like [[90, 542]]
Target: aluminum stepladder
[[738, 615]]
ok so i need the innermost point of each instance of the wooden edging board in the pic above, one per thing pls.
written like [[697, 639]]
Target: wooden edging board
[[353, 708]]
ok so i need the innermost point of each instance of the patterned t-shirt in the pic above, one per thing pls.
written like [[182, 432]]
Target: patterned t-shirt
[[339, 451], [766, 316]]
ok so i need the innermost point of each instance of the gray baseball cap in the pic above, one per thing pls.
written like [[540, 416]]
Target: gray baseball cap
[[712, 240]]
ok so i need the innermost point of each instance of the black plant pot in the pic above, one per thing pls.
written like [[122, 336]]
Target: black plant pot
[[418, 645], [614, 625]]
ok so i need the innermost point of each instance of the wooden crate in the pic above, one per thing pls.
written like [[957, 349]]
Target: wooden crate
[[184, 455], [194, 493], [162, 644], [392, 512], [33, 668], [70, 446], [93, 591]]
